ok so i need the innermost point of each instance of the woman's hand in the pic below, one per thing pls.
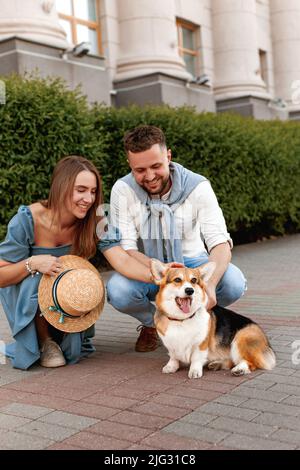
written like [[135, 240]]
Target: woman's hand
[[45, 264]]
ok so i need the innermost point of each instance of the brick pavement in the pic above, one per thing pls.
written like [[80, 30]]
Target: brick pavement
[[119, 399]]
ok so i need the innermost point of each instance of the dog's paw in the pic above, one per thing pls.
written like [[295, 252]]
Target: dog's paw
[[169, 368], [240, 369], [214, 365], [195, 373]]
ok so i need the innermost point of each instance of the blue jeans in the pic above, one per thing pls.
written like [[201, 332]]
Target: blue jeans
[[135, 297]]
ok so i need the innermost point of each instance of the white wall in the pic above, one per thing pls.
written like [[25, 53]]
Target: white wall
[[34, 20]]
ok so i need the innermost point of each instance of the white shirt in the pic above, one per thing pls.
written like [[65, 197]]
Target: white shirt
[[199, 219]]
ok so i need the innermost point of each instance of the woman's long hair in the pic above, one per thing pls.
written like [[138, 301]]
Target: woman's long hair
[[61, 190]]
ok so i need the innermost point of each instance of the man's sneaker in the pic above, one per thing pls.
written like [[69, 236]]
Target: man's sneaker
[[148, 339], [51, 355]]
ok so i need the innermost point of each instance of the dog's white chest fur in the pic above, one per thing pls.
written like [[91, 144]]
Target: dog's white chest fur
[[183, 337]]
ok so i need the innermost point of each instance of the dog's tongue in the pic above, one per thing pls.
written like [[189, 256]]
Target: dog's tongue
[[185, 304]]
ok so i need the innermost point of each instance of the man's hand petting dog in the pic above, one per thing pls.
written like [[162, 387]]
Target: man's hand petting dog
[[174, 264]]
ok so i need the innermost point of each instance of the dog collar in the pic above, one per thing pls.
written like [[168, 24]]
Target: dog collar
[[184, 319]]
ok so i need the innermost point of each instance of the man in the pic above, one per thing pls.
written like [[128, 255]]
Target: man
[[167, 212]]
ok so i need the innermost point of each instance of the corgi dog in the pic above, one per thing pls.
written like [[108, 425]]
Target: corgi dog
[[218, 339]]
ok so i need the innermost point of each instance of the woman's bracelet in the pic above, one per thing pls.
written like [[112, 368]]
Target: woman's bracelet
[[31, 271]]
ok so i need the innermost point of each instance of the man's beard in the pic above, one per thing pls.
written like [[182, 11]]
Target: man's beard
[[163, 184]]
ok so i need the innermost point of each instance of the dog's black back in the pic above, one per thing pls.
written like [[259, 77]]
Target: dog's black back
[[228, 323]]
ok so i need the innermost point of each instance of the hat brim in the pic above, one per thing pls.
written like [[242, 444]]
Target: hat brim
[[74, 324]]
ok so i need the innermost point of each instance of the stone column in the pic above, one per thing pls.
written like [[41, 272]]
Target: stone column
[[148, 39], [34, 20], [236, 49], [285, 21]]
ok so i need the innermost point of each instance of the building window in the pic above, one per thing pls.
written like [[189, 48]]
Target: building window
[[80, 20], [263, 66], [188, 47]]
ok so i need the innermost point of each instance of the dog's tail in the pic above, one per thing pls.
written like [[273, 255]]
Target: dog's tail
[[254, 347], [267, 359]]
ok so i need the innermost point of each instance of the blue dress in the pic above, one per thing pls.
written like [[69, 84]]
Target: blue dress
[[20, 301]]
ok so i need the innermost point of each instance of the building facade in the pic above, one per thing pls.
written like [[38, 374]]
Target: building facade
[[216, 55]]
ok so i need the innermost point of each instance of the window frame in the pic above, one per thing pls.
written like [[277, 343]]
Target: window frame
[[74, 21], [180, 24]]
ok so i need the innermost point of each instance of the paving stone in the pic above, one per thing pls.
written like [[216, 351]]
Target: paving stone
[[151, 408], [6, 380], [242, 442], [222, 376], [141, 420], [259, 385], [194, 431], [287, 335], [279, 343], [280, 371], [46, 430], [153, 385], [289, 365], [25, 411], [111, 401], [273, 395], [120, 431], [287, 389], [280, 348], [287, 380], [68, 420], [12, 422], [63, 446], [51, 390], [219, 409], [142, 447], [230, 399], [242, 427], [204, 395], [168, 441], [283, 421], [292, 400], [199, 418], [88, 440], [276, 408], [121, 379], [285, 435], [178, 402], [211, 386], [91, 410], [20, 441]]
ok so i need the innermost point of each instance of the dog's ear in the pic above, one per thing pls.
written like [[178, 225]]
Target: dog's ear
[[206, 271], [158, 270]]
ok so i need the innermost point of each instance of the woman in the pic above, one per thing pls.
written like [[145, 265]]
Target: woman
[[37, 236]]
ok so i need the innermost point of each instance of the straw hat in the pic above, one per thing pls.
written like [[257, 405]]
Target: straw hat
[[72, 300]]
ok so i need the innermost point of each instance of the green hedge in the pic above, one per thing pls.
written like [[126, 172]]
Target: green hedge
[[254, 166], [40, 122]]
